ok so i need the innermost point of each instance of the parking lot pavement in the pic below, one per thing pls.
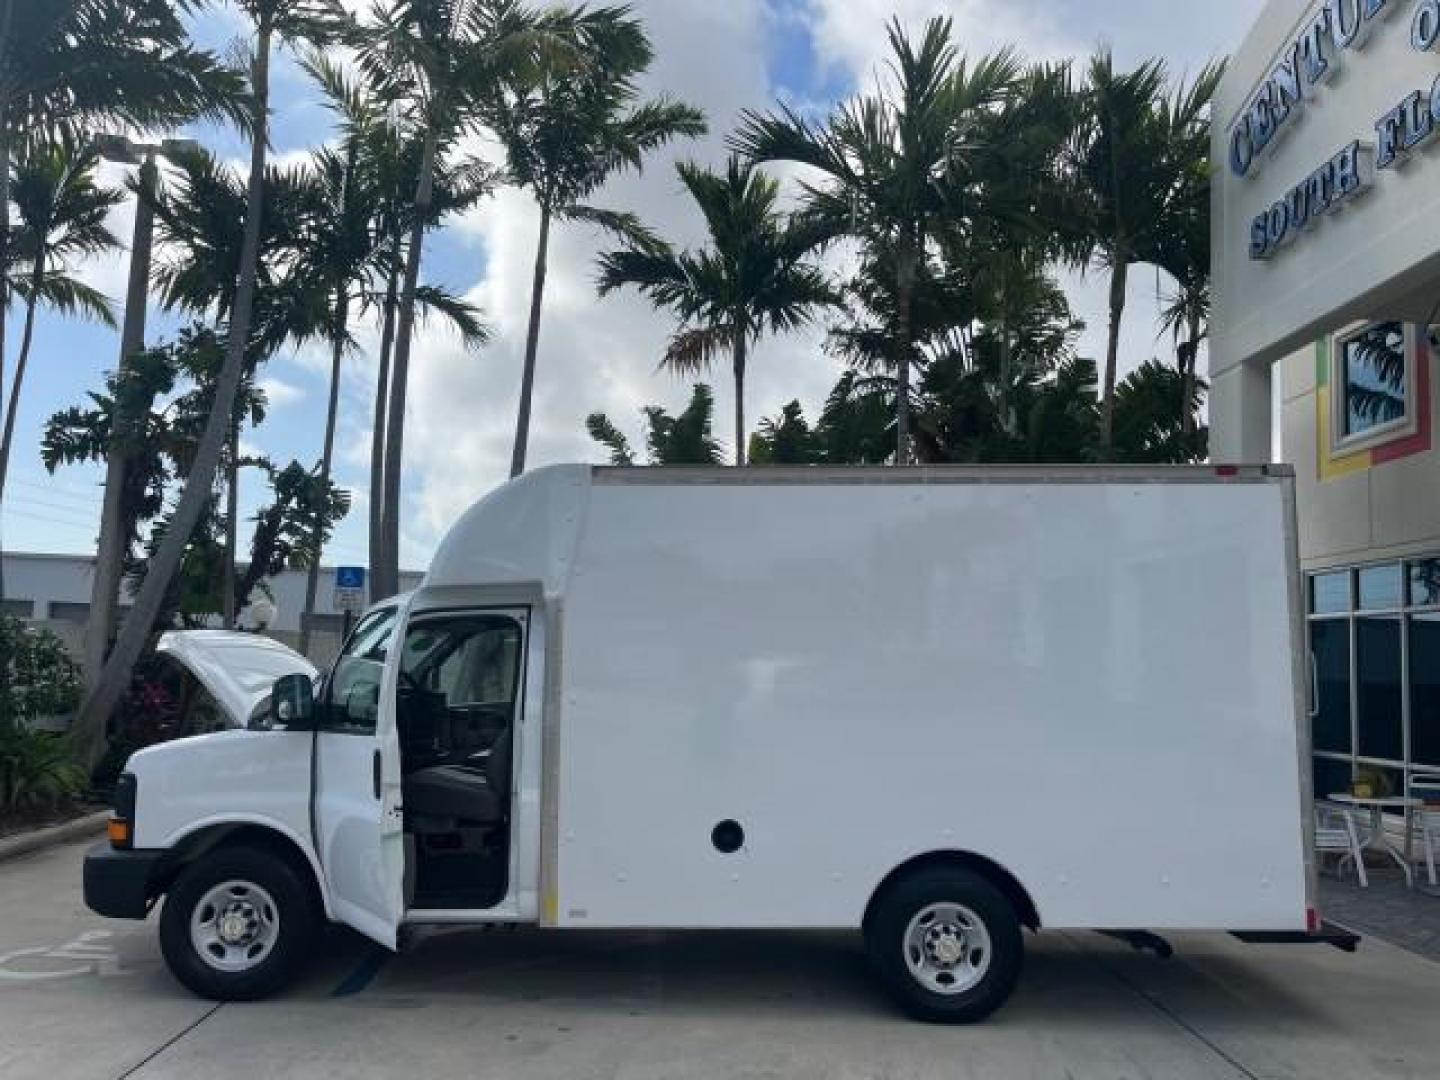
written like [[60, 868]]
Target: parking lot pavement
[[86, 997]]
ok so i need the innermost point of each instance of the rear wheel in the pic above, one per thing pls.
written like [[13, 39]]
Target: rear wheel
[[237, 925], [947, 945]]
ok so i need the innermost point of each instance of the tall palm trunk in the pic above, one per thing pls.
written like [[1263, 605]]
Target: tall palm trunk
[[1188, 357], [532, 343], [229, 563], [740, 348], [388, 570], [89, 728], [905, 269], [7, 8], [377, 427], [1119, 275], [332, 409], [27, 335], [115, 529]]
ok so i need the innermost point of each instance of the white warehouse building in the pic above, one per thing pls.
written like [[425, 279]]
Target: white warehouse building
[[55, 590]]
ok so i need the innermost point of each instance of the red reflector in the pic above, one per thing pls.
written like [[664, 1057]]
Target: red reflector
[[1312, 920], [1227, 470]]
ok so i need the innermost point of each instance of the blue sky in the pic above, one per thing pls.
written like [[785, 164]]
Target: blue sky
[[722, 55]]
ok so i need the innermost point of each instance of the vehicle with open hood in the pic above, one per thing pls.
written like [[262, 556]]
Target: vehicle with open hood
[[935, 705]]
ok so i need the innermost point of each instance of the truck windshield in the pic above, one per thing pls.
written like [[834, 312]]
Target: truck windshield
[[353, 696]]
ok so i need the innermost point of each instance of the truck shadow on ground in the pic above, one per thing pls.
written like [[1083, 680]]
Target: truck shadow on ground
[[1069, 978]]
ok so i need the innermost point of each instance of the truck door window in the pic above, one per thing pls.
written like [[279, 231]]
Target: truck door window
[[352, 697], [458, 684]]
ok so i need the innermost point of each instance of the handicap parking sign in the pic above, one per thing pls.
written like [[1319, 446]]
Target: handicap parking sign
[[350, 577], [349, 588]]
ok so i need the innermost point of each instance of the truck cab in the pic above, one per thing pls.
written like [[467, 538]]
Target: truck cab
[[381, 792]]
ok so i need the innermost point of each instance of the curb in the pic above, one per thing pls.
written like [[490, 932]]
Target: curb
[[13, 847]]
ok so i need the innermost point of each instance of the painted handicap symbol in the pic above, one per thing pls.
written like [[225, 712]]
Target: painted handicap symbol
[[82, 956]]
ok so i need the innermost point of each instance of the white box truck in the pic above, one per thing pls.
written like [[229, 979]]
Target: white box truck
[[936, 705]]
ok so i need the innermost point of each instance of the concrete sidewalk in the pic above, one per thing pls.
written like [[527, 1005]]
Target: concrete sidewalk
[[1388, 909]]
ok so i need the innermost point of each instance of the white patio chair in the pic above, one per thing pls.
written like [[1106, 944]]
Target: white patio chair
[[1339, 832], [1425, 820]]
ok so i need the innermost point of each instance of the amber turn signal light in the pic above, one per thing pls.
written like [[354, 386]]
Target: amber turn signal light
[[119, 833]]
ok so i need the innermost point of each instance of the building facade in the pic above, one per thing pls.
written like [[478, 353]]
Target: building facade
[[1326, 249]]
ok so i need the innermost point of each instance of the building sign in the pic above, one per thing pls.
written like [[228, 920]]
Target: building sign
[[1328, 39]]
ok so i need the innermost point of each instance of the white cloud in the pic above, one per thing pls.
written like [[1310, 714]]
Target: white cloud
[[110, 272], [594, 354], [851, 33], [280, 393]]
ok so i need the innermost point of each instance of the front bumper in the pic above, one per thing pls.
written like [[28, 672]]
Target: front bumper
[[120, 884]]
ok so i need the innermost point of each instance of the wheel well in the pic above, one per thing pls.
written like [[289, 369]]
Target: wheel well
[[989, 869], [237, 834]]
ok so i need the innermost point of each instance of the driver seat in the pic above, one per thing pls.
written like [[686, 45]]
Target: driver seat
[[461, 793]]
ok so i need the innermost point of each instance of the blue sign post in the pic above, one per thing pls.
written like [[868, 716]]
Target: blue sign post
[[349, 592]]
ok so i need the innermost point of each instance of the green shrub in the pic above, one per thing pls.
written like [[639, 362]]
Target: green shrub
[[37, 676], [37, 769]]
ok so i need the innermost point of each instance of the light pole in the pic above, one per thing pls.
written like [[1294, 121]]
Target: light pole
[[110, 553]]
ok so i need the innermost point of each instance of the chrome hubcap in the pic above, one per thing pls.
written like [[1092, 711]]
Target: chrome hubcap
[[234, 926], [947, 948]]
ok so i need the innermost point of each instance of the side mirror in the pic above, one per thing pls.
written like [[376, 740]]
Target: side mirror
[[292, 702]]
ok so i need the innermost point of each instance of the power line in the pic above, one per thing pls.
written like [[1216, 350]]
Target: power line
[[61, 510], [60, 492]]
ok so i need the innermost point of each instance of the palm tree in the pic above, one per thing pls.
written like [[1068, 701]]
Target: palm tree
[[293, 20], [393, 153], [166, 394], [436, 59], [891, 164], [62, 213], [1155, 417], [1135, 153], [1183, 248], [565, 132], [682, 439], [202, 228], [68, 65], [752, 278], [346, 249]]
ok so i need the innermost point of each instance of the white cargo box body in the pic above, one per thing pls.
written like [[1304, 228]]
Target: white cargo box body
[[1090, 677]]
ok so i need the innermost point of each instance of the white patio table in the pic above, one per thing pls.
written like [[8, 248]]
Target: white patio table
[[1377, 839]]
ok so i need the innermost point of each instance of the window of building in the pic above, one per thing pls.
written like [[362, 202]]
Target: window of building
[[1425, 690], [1425, 583], [1375, 671], [1372, 387], [18, 609], [1381, 587], [1373, 377], [1330, 593], [65, 611]]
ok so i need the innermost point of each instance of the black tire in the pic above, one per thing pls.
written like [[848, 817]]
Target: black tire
[[294, 919], [903, 901]]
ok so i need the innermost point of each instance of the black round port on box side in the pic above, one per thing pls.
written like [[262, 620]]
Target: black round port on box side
[[727, 837]]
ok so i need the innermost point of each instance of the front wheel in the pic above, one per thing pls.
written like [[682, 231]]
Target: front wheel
[[236, 925], [947, 945]]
